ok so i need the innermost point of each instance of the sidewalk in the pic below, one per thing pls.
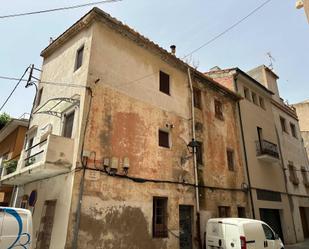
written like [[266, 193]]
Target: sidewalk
[[302, 245]]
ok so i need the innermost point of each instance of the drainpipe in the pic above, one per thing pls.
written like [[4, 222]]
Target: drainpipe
[[198, 218], [16, 189], [245, 151]]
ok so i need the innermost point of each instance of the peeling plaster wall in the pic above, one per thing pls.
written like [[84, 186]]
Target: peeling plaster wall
[[124, 121]]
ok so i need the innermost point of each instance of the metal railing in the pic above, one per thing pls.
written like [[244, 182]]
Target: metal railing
[[264, 147]]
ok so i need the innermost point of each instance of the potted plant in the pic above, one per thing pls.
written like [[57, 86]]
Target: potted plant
[[10, 166]]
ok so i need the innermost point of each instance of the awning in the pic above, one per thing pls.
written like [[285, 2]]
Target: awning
[[57, 106]]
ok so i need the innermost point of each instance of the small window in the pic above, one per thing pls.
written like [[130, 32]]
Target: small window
[[254, 98], [79, 58], [230, 159], [197, 98], [218, 109], [199, 153], [293, 175], [247, 93], [262, 103], [241, 211], [164, 139], [283, 124], [68, 125], [269, 235], [293, 130], [224, 211], [305, 176], [159, 222], [164, 83], [39, 97]]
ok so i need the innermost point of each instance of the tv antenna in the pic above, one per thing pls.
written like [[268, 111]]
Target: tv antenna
[[271, 60]]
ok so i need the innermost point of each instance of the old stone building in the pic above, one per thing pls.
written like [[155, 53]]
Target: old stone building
[[128, 145]]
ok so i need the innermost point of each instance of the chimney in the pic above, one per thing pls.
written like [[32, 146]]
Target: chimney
[[173, 49]]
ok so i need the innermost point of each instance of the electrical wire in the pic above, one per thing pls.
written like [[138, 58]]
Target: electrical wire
[[57, 9], [10, 95], [228, 29]]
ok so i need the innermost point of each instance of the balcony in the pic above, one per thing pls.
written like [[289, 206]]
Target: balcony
[[50, 157], [267, 151]]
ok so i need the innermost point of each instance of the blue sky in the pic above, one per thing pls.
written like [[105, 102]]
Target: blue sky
[[278, 28]]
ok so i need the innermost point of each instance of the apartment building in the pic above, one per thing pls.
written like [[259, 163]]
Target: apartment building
[[302, 110], [261, 150], [128, 147], [293, 157], [12, 138]]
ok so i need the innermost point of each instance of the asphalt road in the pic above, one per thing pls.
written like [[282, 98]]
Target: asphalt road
[[303, 245]]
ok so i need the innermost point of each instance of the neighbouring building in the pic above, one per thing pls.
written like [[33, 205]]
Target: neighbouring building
[[302, 110], [12, 138], [293, 156], [128, 145], [268, 152]]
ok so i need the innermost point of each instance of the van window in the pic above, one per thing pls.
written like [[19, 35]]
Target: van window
[[214, 229], [268, 232]]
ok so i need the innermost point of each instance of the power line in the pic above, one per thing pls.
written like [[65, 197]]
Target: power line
[[228, 29], [57, 9], [19, 81]]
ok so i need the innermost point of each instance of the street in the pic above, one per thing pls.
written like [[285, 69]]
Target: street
[[302, 245]]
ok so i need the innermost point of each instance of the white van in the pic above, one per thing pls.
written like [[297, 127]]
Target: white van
[[238, 233], [15, 228]]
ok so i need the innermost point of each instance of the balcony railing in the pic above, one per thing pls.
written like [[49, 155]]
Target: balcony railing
[[49, 157], [266, 148]]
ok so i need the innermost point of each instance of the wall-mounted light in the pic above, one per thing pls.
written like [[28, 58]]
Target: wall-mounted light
[[126, 165], [114, 166], [106, 164]]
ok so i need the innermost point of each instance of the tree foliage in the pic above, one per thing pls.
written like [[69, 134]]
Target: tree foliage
[[4, 119]]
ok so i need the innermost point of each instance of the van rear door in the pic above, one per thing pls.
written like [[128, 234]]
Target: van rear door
[[254, 235], [232, 236], [215, 235]]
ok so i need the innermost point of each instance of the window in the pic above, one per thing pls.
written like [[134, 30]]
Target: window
[[262, 104], [247, 93], [218, 109], [224, 211], [254, 98], [68, 125], [164, 83], [39, 97], [159, 222], [283, 124], [269, 235], [197, 98], [241, 212], [293, 130], [164, 139], [230, 159], [79, 58], [293, 175], [199, 153], [305, 176]]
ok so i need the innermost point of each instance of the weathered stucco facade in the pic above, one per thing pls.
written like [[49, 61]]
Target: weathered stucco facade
[[100, 186]]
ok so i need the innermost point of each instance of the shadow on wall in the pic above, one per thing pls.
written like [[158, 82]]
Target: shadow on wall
[[121, 228]]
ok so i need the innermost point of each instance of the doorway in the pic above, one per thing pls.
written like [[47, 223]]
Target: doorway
[[272, 218], [46, 226], [304, 221], [185, 226]]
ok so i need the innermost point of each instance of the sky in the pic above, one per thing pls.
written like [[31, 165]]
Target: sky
[[278, 28]]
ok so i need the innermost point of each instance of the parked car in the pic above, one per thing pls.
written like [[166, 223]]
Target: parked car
[[238, 233], [15, 228]]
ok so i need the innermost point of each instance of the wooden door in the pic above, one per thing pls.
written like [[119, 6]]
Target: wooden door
[[46, 226], [304, 221]]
